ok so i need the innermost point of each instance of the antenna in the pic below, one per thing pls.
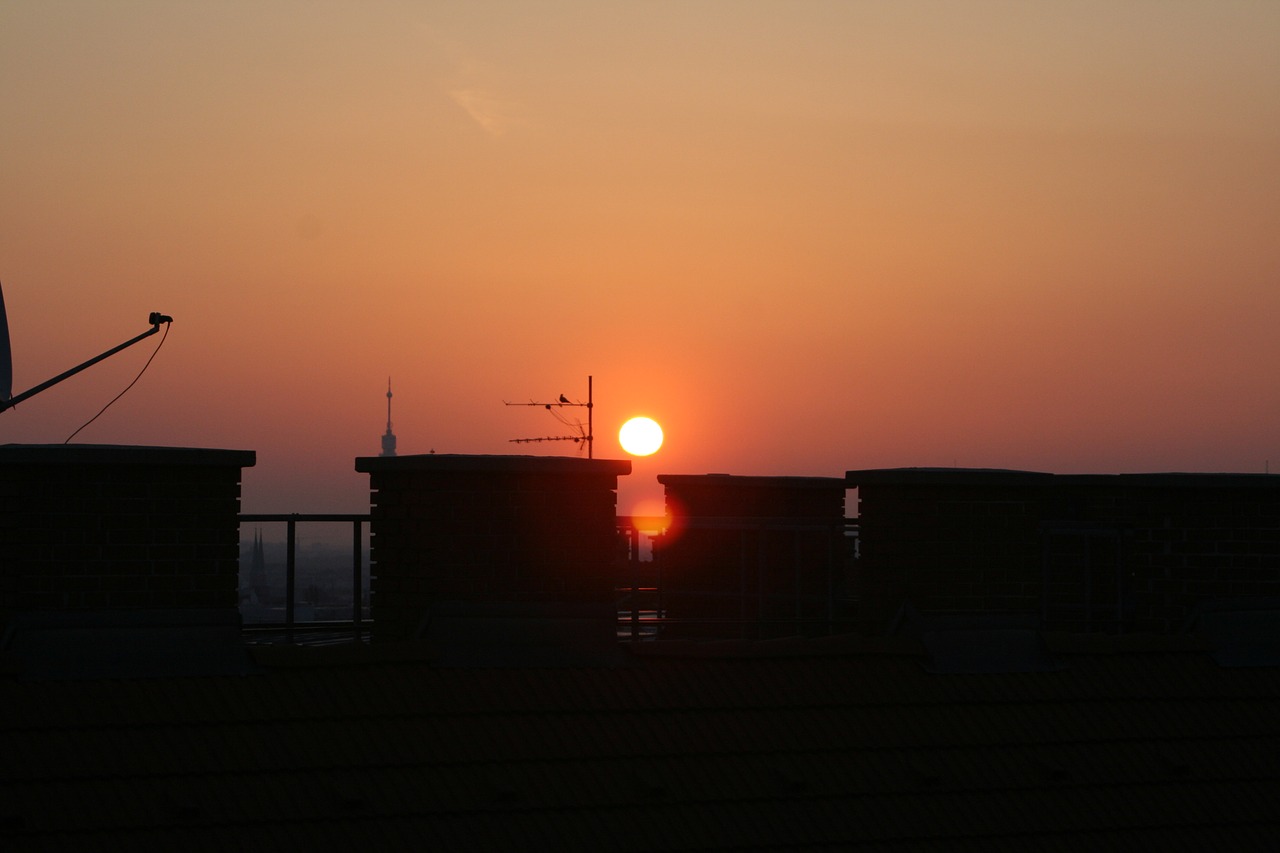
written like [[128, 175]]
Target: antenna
[[6, 360], [585, 434]]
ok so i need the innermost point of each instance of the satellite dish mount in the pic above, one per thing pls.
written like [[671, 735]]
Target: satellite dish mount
[[156, 319]]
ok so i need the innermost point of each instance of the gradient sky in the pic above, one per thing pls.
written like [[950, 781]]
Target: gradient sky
[[803, 236]]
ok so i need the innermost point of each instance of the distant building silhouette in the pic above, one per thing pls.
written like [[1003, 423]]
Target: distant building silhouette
[[258, 590], [388, 438]]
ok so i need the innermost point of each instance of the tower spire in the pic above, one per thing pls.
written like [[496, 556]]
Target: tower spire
[[389, 438]]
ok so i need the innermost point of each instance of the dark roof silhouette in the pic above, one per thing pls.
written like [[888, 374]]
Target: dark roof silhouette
[[804, 744], [496, 710]]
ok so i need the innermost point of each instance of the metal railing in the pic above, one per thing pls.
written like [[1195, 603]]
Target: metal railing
[[291, 521], [638, 595]]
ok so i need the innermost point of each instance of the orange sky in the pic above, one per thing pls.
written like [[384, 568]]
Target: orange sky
[[803, 236]]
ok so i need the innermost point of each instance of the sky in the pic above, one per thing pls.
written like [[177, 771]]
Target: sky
[[805, 237]]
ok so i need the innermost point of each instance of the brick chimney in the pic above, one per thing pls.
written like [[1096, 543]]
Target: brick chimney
[[495, 558], [1079, 553], [752, 557], [119, 560]]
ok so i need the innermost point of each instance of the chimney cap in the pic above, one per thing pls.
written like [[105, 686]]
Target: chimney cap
[[121, 454], [450, 462]]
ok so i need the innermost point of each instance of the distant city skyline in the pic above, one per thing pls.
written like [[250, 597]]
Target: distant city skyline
[[804, 237]]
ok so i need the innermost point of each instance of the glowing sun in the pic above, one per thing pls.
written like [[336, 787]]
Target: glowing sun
[[640, 436]]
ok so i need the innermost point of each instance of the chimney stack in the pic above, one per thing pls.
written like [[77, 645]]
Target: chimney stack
[[119, 560], [496, 558]]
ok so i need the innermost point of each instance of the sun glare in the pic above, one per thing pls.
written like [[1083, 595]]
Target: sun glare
[[640, 436]]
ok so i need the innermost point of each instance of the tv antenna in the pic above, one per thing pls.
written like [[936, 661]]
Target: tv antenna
[[6, 359], [584, 432]]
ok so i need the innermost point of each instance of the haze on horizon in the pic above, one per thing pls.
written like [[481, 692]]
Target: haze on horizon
[[804, 237]]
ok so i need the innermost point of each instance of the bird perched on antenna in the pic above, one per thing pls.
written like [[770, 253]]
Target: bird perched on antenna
[[564, 399]]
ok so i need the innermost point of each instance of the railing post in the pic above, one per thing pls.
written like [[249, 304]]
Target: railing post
[[291, 535], [835, 562], [635, 582], [660, 613], [742, 584], [357, 541]]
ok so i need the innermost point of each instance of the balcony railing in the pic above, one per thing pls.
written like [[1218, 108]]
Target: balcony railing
[[357, 624], [638, 594]]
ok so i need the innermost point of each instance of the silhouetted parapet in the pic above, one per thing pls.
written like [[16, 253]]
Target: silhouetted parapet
[[1082, 552], [752, 557], [103, 543], [456, 532], [948, 540]]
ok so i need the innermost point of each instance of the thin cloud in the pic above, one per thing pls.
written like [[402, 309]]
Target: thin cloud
[[472, 83], [495, 114]]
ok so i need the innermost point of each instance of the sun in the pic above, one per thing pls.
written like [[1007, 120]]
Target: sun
[[640, 436]]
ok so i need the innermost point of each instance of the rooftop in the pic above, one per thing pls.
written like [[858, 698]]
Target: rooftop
[[977, 676], [837, 744]]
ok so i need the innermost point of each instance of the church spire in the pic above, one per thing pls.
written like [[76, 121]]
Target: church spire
[[389, 439], [258, 589]]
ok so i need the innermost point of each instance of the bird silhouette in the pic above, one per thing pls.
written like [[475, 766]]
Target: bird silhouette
[[564, 399]]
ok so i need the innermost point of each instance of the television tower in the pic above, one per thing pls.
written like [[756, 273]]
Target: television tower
[[389, 438]]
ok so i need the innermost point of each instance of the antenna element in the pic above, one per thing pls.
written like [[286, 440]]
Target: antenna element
[[585, 434]]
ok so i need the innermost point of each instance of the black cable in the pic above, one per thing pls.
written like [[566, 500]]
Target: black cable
[[127, 387]]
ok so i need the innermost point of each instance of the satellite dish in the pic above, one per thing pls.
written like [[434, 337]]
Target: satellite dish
[[6, 354]]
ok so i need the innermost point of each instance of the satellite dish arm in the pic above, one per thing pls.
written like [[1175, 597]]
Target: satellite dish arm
[[155, 319]]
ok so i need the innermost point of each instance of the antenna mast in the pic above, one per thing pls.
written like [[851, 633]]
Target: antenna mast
[[587, 435]]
